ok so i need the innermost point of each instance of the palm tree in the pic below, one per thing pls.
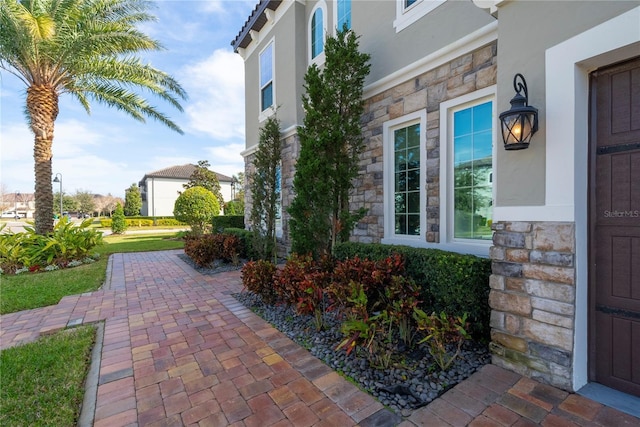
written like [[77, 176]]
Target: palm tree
[[86, 48]]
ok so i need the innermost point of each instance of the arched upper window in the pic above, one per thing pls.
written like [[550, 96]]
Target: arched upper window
[[317, 33]]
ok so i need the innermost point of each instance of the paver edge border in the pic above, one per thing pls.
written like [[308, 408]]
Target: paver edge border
[[88, 409]]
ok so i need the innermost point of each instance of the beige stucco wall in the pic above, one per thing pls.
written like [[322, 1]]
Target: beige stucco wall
[[539, 189], [391, 51], [520, 175], [289, 46]]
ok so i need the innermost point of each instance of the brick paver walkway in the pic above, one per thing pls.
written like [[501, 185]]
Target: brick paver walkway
[[178, 349]]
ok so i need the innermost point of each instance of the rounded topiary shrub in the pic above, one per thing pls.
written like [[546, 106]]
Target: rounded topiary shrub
[[196, 206]]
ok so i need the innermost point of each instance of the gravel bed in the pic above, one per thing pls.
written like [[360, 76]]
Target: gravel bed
[[401, 387]]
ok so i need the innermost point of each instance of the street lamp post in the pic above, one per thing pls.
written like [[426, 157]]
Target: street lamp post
[[16, 195], [58, 178]]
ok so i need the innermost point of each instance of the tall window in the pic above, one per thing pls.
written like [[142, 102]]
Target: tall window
[[472, 172], [266, 78], [404, 166], [406, 153], [317, 33], [344, 14]]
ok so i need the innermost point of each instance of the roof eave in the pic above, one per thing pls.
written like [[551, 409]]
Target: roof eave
[[255, 22]]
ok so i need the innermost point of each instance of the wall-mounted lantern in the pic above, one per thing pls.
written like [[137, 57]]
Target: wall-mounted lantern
[[521, 121]]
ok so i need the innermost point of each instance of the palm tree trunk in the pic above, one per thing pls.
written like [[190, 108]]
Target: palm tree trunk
[[42, 105]]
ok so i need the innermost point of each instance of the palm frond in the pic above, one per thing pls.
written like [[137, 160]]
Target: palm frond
[[87, 48], [129, 102]]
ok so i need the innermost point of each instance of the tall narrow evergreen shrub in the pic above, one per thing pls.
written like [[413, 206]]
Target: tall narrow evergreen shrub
[[330, 144], [118, 223], [265, 189]]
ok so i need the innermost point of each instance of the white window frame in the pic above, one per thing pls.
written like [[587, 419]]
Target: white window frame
[[389, 127], [319, 59], [409, 15], [269, 111], [447, 109]]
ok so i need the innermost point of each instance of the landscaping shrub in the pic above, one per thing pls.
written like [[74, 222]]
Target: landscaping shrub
[[200, 249], [67, 243], [302, 282], [143, 221], [234, 207], [379, 306], [450, 282], [245, 236], [139, 222], [230, 248], [289, 281], [379, 303], [118, 224], [221, 222], [375, 276], [13, 251], [204, 250], [196, 206], [443, 332], [258, 277], [167, 221]]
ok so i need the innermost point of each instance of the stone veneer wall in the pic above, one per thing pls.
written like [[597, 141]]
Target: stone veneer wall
[[533, 299], [465, 74]]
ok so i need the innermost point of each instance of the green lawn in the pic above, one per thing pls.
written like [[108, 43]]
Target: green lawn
[[26, 291], [43, 381]]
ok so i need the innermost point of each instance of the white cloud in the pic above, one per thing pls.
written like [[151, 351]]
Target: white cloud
[[226, 159], [226, 7], [216, 89], [76, 155], [215, 6], [226, 154], [162, 162]]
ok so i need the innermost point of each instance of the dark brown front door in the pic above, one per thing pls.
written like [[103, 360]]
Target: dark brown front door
[[615, 227]]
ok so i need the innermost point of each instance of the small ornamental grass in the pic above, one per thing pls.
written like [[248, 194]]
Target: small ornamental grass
[[43, 381]]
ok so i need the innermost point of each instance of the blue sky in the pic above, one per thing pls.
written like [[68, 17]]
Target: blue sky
[[107, 151]]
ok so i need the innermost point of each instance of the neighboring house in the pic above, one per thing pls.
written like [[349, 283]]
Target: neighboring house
[[22, 203], [564, 213], [160, 189]]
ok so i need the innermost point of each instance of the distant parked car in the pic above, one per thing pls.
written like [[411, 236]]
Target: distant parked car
[[11, 214]]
